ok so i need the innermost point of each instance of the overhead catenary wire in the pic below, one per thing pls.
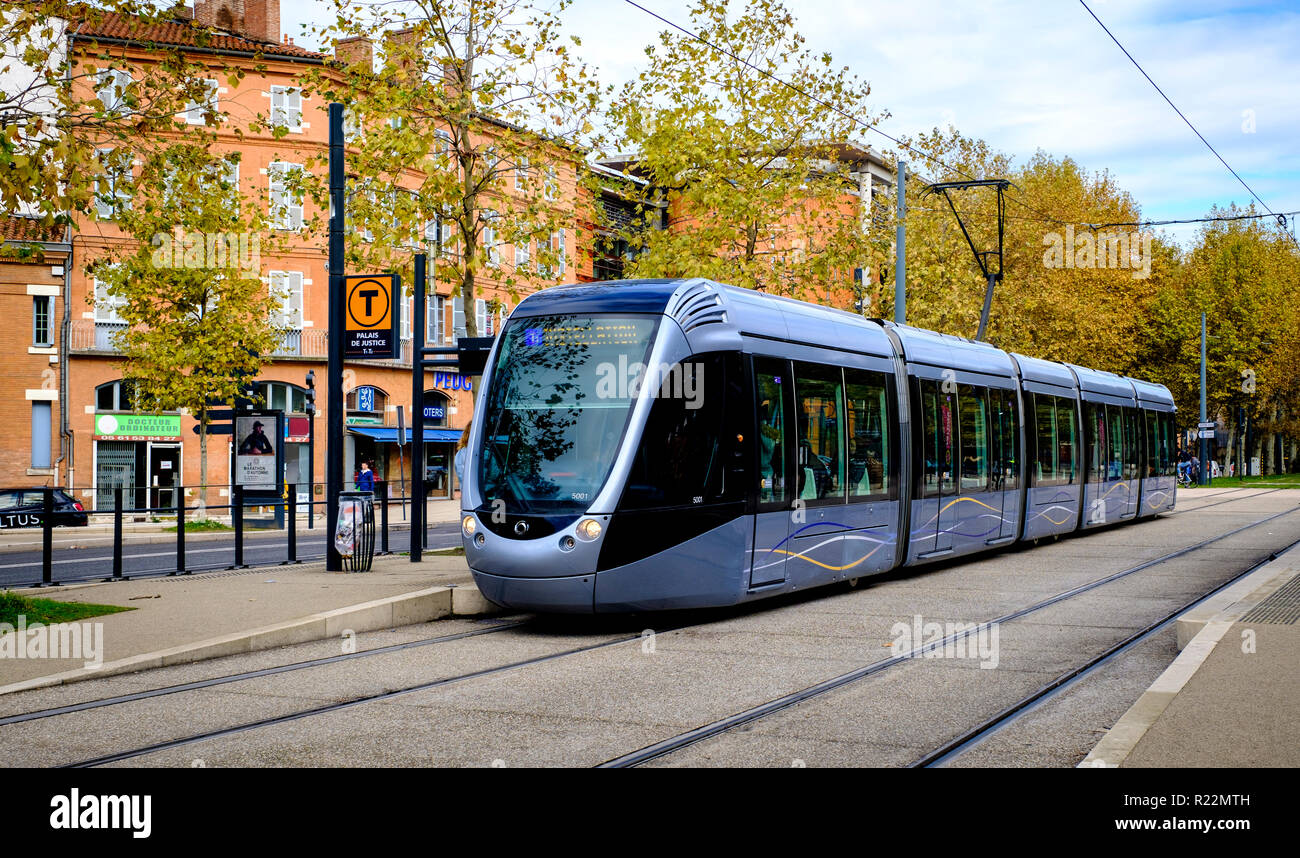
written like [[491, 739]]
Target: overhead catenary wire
[[1142, 223], [1041, 216], [1186, 120]]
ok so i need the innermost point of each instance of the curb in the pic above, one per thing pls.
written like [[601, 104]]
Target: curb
[[420, 606], [1205, 626]]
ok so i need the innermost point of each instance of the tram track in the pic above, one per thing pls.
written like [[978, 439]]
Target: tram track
[[244, 676], [345, 704], [967, 741], [644, 755], [752, 714]]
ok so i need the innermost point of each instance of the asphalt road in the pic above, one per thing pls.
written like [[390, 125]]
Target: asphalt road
[[205, 552], [525, 691]]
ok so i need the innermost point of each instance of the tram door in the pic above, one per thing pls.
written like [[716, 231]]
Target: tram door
[[932, 531], [773, 385]]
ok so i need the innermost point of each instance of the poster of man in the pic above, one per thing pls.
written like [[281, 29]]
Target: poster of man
[[255, 456]]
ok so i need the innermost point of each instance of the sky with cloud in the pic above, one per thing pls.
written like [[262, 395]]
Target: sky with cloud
[[1041, 74]]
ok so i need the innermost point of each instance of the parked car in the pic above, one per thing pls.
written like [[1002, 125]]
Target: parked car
[[23, 507]]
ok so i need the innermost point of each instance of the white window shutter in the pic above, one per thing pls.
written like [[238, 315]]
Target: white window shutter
[[295, 300], [560, 252], [280, 289], [480, 315], [458, 317]]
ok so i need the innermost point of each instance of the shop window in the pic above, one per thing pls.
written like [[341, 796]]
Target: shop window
[[115, 396]]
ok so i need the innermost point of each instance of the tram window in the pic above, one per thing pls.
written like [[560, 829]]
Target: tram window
[[692, 451], [1132, 443], [1048, 446], [819, 468], [868, 434], [1115, 443], [1067, 439], [771, 376], [1006, 436], [1094, 418], [937, 437], [974, 434], [1153, 465]]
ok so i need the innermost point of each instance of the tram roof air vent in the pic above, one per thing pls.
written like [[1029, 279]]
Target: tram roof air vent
[[697, 303]]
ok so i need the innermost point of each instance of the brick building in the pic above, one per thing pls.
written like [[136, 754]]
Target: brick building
[[33, 278], [108, 444]]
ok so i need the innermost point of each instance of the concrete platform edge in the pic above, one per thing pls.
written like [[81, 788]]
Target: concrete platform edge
[[1206, 630]]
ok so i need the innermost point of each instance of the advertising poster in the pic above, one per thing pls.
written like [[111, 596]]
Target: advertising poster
[[255, 452]]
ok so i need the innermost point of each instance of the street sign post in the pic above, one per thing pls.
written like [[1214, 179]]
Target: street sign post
[[372, 317]]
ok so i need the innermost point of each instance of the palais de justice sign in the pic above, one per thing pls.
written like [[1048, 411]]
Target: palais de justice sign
[[372, 309]]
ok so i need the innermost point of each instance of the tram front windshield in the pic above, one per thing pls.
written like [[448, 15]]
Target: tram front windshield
[[557, 407]]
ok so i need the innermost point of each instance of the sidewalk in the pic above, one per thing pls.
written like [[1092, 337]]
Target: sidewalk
[[189, 618], [100, 530], [1230, 698]]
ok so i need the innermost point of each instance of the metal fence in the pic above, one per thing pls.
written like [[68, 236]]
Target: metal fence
[[240, 511]]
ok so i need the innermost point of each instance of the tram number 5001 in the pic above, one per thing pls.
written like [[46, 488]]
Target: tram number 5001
[[580, 496]]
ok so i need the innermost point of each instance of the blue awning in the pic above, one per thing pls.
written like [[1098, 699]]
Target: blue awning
[[388, 434]]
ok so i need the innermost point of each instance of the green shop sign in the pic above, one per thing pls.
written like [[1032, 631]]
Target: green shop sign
[[138, 427]]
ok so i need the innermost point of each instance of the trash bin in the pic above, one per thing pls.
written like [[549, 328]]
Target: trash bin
[[354, 537]]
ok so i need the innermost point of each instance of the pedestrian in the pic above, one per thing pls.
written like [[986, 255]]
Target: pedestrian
[[462, 453], [366, 478]]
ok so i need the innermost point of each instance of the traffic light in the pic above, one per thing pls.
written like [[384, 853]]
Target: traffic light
[[310, 407]]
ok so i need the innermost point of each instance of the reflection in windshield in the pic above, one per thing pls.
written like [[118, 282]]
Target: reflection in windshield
[[552, 428]]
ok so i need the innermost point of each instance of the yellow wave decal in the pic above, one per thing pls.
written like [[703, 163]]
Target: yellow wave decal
[[949, 504], [1152, 502], [970, 500], [1052, 520], [828, 566], [1112, 488]]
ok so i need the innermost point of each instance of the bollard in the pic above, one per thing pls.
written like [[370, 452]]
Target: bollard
[[117, 534], [237, 513], [47, 538], [383, 517], [180, 532], [293, 523]]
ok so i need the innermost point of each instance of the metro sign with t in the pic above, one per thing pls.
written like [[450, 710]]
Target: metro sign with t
[[372, 317]]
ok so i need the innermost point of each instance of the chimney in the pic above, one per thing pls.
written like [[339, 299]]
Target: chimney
[[258, 20], [262, 20], [400, 46], [357, 50]]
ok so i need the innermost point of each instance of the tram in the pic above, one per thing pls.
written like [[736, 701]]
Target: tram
[[647, 445]]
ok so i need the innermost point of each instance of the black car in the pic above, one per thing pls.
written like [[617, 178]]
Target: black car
[[23, 507]]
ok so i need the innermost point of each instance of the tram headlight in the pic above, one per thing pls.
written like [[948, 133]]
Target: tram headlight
[[588, 529], [468, 525]]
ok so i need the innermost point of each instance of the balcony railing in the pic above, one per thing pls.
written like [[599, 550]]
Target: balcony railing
[[87, 335], [304, 343]]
